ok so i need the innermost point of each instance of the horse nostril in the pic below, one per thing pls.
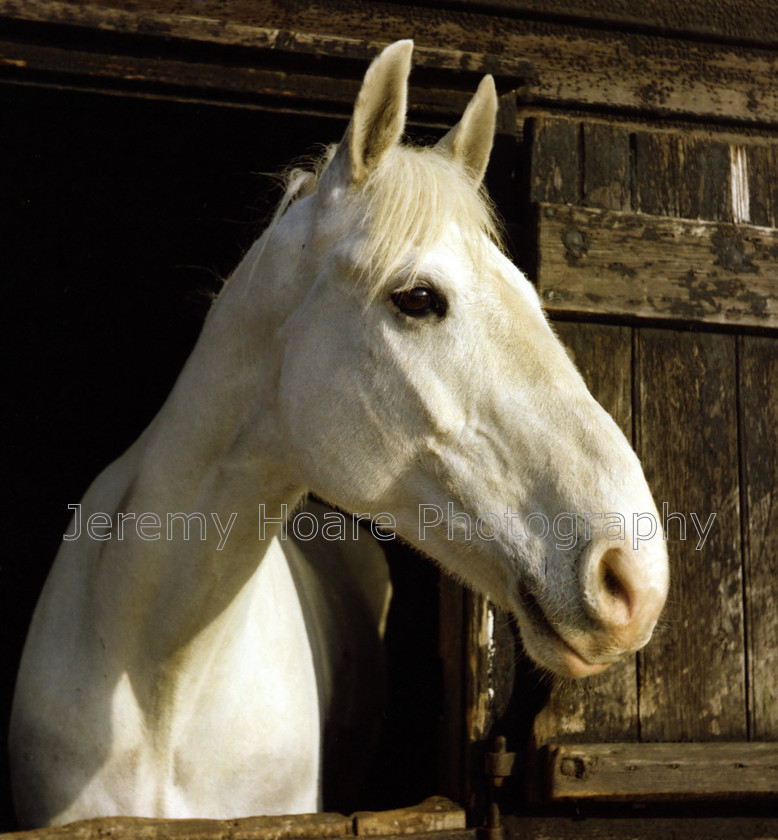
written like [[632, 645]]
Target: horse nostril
[[613, 585], [615, 596], [624, 590]]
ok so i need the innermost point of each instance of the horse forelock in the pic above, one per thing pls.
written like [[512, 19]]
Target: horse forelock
[[402, 210]]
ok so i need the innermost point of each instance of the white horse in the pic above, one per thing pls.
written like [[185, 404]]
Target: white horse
[[375, 348]]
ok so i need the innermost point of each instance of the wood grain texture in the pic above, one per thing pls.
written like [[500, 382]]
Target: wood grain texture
[[665, 827], [572, 65], [606, 166], [166, 21], [746, 20], [693, 675], [605, 707], [759, 445], [248, 828], [693, 672], [570, 161], [646, 772], [434, 814], [682, 176], [555, 163], [653, 267], [438, 817], [286, 70], [763, 184]]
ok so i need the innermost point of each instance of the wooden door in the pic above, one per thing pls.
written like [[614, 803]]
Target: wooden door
[[655, 254]]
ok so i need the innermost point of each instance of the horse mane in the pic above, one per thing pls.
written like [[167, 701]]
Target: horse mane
[[404, 207]]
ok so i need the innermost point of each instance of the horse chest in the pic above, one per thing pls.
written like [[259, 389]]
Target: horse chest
[[230, 726], [243, 708]]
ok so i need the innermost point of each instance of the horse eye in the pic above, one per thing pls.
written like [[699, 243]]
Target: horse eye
[[419, 301]]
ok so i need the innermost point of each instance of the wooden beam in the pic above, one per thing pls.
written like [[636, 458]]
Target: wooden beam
[[177, 27], [435, 818], [300, 827], [268, 83], [562, 64], [601, 262], [747, 21], [644, 772], [189, 57], [434, 814]]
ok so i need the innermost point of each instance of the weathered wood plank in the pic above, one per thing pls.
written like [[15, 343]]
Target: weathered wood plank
[[555, 163], [705, 186], [436, 818], [746, 21], [642, 828], [692, 673], [603, 708], [434, 814], [570, 161], [442, 84], [224, 31], [300, 827], [683, 176], [759, 446], [648, 267], [181, 78], [763, 184], [606, 166], [692, 677], [640, 772], [752, 20], [573, 65]]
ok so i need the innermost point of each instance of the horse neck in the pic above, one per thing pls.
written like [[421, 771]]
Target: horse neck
[[214, 450]]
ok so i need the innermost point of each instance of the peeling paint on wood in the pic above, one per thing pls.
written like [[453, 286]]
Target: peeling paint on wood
[[254, 64], [572, 65], [682, 176], [667, 268]]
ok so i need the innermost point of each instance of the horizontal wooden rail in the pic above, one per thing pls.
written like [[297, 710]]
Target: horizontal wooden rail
[[645, 772], [610, 263], [566, 65], [204, 59], [436, 818]]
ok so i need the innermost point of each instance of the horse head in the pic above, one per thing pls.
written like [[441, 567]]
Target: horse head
[[419, 376]]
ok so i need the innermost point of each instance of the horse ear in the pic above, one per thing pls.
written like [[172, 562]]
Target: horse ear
[[470, 141], [378, 120]]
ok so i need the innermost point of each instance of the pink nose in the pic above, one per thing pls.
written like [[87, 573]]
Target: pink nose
[[624, 591]]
